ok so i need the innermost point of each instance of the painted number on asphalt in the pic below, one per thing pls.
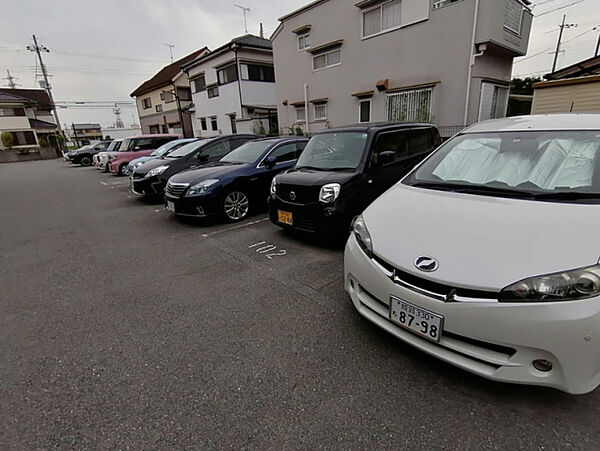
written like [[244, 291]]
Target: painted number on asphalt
[[267, 250]]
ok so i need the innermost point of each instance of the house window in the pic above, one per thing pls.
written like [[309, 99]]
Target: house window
[[199, 83], [320, 111], [213, 91], [227, 74], [24, 138], [12, 112], [413, 105], [324, 60], [147, 103], [364, 111], [255, 72], [513, 14], [233, 123], [381, 18], [300, 114], [158, 108], [167, 96], [213, 124], [203, 123], [441, 3], [303, 42]]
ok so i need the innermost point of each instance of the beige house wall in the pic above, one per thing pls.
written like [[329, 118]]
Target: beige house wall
[[577, 98]]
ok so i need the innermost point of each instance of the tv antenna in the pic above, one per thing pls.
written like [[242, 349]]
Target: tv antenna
[[171, 46], [244, 10]]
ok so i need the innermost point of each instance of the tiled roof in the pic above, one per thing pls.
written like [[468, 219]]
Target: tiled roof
[[87, 126], [248, 40], [166, 74], [39, 96], [37, 123], [590, 66]]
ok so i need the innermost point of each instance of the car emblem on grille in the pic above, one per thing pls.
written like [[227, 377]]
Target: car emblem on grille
[[292, 195], [426, 264]]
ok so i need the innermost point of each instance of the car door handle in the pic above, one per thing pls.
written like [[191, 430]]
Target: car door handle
[[253, 179]]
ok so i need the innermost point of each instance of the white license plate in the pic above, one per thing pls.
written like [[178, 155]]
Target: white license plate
[[416, 319], [171, 206]]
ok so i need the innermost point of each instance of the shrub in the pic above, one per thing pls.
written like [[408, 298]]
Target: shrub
[[43, 142], [8, 139]]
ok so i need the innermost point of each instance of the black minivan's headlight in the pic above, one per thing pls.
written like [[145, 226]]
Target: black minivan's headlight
[[363, 237], [562, 286], [329, 193]]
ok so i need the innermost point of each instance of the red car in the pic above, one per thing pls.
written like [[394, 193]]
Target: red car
[[135, 147]]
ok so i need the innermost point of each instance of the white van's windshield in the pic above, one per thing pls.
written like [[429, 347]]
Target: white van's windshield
[[333, 151], [551, 165]]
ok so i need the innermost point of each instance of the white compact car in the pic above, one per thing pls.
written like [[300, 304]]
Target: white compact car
[[487, 255], [100, 160]]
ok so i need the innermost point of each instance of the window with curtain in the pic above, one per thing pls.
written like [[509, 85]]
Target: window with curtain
[[382, 18]]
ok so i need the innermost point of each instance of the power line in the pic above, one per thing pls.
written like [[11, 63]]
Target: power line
[[525, 58], [558, 8]]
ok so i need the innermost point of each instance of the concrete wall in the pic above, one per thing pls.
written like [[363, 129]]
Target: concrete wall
[[433, 52], [13, 156], [229, 102]]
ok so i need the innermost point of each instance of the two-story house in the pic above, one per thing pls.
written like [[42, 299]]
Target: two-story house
[[84, 133], [341, 62], [233, 88], [27, 115], [163, 101]]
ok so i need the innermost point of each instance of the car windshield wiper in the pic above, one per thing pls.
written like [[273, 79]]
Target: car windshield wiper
[[567, 195], [312, 167], [474, 189]]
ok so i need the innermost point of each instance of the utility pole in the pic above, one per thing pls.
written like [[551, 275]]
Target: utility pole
[[37, 48], [75, 135], [11, 80], [597, 46], [562, 26], [170, 49], [244, 10], [262, 31]]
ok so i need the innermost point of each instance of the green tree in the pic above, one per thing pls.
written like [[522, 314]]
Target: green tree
[[521, 86], [8, 139]]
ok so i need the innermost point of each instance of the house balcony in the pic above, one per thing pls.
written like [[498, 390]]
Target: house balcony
[[505, 24]]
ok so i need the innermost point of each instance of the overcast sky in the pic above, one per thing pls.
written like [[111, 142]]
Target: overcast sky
[[102, 50]]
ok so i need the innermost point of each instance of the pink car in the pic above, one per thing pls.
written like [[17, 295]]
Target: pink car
[[135, 147]]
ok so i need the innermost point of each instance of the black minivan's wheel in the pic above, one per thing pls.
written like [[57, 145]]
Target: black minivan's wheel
[[86, 160], [123, 169], [235, 206]]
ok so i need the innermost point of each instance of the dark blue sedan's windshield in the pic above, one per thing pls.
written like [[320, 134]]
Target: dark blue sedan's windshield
[[187, 149], [247, 153]]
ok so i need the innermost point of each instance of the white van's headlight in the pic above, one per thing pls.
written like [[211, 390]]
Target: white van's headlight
[[329, 193], [563, 286], [202, 187], [157, 171], [362, 235], [274, 187]]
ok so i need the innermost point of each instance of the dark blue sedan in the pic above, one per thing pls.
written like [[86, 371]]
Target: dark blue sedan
[[236, 184]]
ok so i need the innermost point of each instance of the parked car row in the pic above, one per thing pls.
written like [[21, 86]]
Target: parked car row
[[481, 251]]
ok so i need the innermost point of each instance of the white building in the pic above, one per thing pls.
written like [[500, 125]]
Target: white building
[[233, 88]]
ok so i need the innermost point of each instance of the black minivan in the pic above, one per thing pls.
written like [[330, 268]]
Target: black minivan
[[342, 170], [150, 178]]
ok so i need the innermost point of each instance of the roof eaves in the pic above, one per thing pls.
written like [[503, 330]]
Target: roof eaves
[[301, 10]]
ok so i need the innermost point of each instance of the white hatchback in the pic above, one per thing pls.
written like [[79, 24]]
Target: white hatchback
[[487, 255]]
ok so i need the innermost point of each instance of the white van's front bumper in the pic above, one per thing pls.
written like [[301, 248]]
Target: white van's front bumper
[[498, 341]]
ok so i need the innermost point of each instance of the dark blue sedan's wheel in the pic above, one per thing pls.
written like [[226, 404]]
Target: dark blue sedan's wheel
[[235, 206], [86, 160]]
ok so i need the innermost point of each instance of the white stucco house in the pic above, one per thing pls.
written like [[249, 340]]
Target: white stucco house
[[233, 88]]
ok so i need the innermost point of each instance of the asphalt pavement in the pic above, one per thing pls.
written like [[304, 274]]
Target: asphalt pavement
[[122, 327]]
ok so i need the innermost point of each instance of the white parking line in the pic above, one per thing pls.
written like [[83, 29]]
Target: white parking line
[[241, 226]]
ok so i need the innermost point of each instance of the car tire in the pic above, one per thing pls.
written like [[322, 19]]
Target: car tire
[[86, 160], [235, 206], [123, 169], [106, 168]]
